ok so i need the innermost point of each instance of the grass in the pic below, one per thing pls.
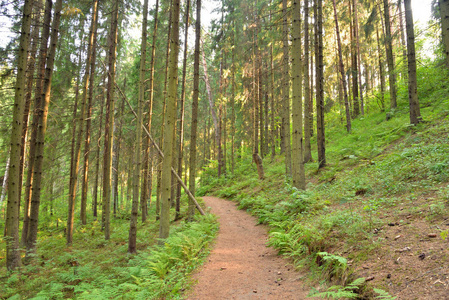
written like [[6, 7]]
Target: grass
[[97, 269]]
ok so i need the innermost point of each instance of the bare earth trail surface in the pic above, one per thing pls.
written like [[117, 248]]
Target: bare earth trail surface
[[240, 265]]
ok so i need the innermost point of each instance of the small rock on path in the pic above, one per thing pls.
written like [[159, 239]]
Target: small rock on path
[[240, 265]]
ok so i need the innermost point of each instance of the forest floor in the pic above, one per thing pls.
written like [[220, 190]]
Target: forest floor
[[240, 265]]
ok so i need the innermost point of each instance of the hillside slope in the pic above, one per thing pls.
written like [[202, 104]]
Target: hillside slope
[[378, 210]]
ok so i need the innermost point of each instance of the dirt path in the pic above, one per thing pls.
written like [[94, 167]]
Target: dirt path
[[240, 265]]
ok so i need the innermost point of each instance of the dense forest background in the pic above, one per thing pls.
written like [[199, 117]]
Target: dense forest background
[[116, 114]]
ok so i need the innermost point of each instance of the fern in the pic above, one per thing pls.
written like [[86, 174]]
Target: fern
[[340, 292], [383, 295]]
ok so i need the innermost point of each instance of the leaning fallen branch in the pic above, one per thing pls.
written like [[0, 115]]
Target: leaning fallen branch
[[162, 155]]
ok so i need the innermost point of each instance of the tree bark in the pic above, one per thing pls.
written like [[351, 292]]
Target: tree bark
[[341, 67], [298, 174], [42, 128], [170, 119], [256, 99], [97, 162], [212, 109], [415, 114], [307, 106], [147, 171], [109, 123], [194, 125], [93, 34], [78, 122], [37, 103], [286, 93], [321, 145], [390, 58], [182, 108], [137, 157], [444, 12]]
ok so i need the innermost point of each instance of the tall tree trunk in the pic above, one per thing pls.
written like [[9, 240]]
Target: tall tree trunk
[[93, 42], [97, 162], [31, 65], [354, 64], [415, 114], [307, 106], [170, 119], [78, 122], [118, 125], [147, 173], [359, 63], [233, 62], [194, 126], [390, 58], [381, 72], [161, 140], [298, 175], [37, 104], [273, 122], [42, 128], [212, 109], [286, 93], [137, 159], [109, 122], [321, 145], [341, 67], [182, 108], [256, 98], [403, 42], [5, 183], [444, 13]]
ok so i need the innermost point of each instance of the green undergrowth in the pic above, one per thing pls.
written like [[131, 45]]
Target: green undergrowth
[[381, 167], [98, 269]]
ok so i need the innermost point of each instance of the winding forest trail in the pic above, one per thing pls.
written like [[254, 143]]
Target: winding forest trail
[[240, 265]]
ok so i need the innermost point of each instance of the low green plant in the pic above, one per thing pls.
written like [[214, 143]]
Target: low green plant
[[383, 295], [340, 292]]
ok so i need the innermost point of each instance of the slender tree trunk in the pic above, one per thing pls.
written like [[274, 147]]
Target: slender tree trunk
[[444, 13], [286, 93], [109, 123], [147, 173], [42, 128], [273, 123], [137, 159], [212, 109], [182, 108], [194, 126], [233, 101], [415, 114], [161, 140], [341, 67], [97, 163], [76, 144], [170, 119], [5, 182], [31, 65], [354, 64], [307, 106], [298, 174], [359, 63], [256, 98], [116, 155], [381, 72], [320, 90], [403, 42], [390, 58], [93, 36], [37, 104]]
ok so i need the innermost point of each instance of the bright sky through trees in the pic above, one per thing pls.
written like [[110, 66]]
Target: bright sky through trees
[[421, 14]]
